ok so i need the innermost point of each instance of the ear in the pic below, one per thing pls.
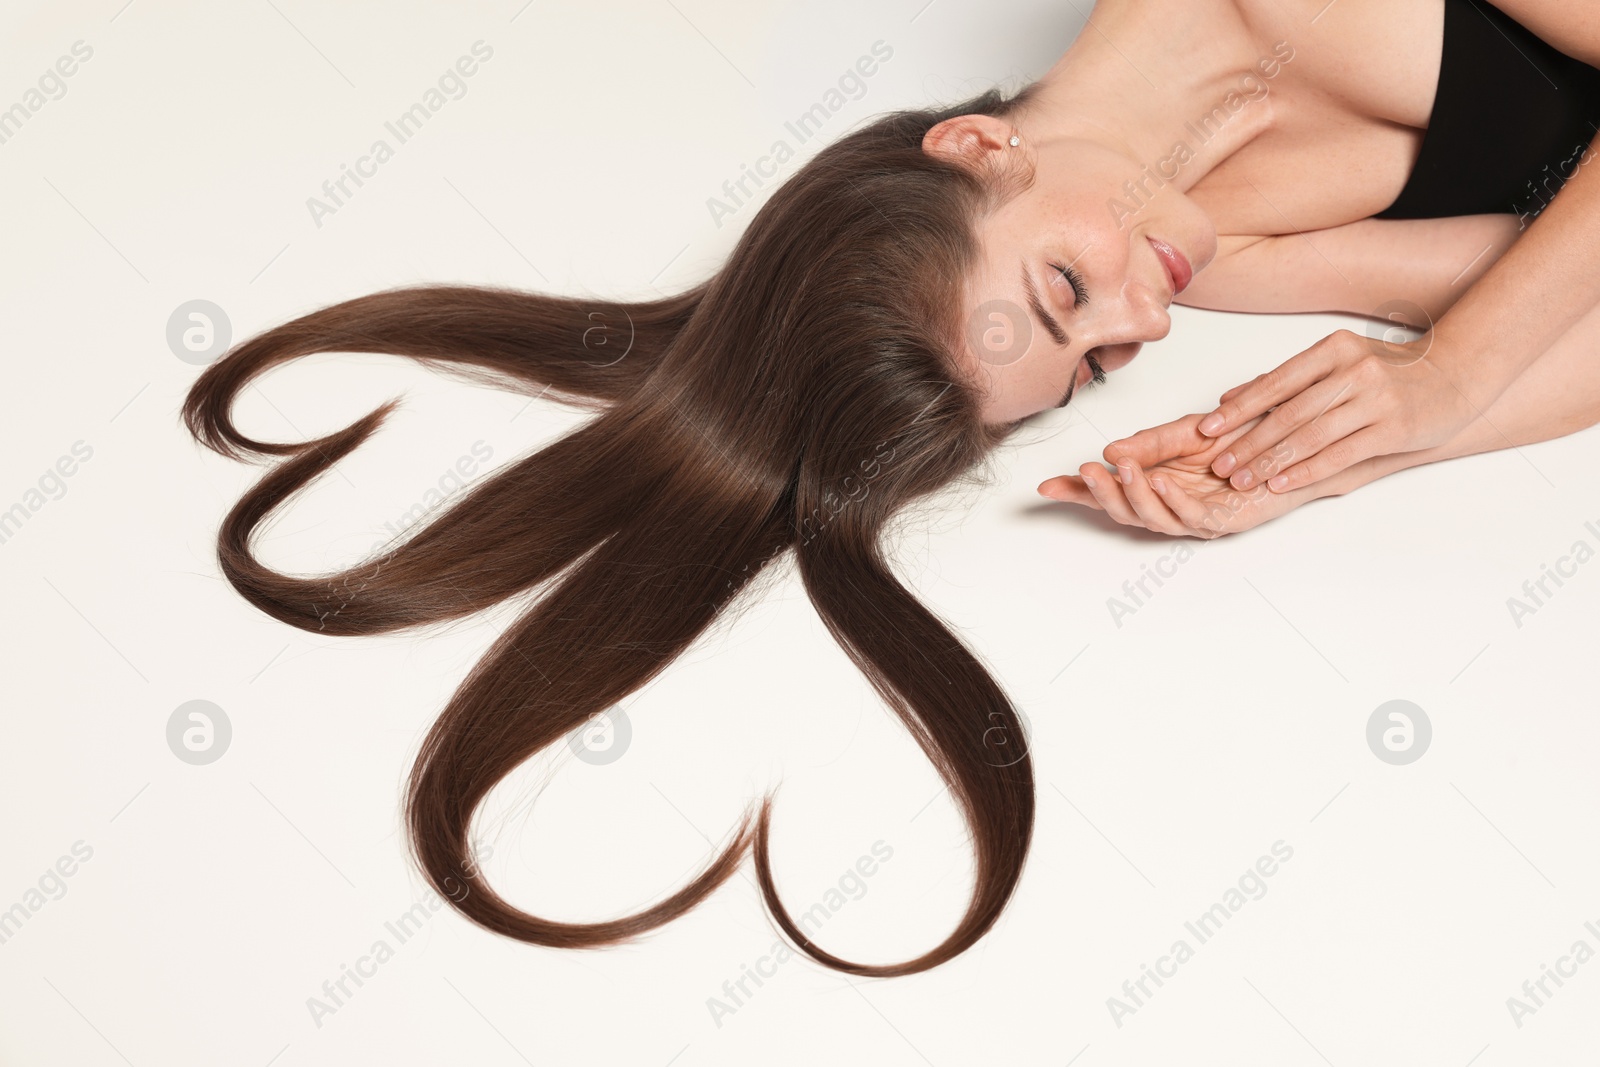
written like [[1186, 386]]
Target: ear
[[967, 138]]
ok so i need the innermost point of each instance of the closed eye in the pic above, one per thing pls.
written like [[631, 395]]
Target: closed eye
[[1079, 290]]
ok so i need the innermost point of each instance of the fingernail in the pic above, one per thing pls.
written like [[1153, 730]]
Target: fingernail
[[1090, 482], [1224, 465], [1244, 479], [1211, 423], [1126, 472], [1160, 485], [1279, 482]]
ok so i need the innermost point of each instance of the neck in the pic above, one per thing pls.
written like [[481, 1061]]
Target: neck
[[1144, 76]]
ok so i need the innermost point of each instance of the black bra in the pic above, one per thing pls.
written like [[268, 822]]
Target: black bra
[[1512, 120]]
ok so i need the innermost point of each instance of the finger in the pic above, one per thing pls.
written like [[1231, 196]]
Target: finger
[[1349, 450], [1149, 447], [1288, 379], [1069, 489], [1147, 503], [1312, 439], [1236, 390], [1308, 409], [1205, 520], [1108, 491]]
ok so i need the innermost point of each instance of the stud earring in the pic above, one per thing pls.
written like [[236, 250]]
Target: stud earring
[[1015, 140]]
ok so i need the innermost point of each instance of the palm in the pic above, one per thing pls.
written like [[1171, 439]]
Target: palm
[[1230, 510], [1181, 456]]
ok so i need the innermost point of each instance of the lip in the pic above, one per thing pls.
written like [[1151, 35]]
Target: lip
[[1179, 273]]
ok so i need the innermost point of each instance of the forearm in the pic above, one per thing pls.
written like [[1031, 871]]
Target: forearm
[[1558, 394], [1533, 295]]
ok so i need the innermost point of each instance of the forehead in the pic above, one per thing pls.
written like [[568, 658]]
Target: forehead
[[1009, 338]]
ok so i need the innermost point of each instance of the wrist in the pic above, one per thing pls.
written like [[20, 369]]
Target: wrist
[[1370, 470], [1479, 372]]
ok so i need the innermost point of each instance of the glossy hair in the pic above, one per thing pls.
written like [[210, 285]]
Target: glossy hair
[[796, 400]]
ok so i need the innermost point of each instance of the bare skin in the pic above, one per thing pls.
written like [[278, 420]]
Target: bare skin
[[1272, 210]]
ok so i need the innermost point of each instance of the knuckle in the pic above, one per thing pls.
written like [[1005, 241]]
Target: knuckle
[[1370, 370], [1296, 409], [1250, 445], [1348, 343]]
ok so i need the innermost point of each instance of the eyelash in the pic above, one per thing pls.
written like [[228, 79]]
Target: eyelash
[[1080, 293], [1099, 373]]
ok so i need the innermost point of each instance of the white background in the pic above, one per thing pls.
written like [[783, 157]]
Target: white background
[[1228, 713]]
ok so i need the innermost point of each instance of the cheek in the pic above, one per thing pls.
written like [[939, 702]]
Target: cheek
[[1020, 390], [1040, 383]]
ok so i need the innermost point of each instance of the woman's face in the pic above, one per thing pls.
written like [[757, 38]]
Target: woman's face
[[1032, 337]]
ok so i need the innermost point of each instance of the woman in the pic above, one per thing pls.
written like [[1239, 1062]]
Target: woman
[[1442, 225], [844, 363]]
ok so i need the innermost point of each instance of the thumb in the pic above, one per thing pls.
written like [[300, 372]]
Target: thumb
[[1180, 437]]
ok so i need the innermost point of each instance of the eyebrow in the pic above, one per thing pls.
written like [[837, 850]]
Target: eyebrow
[[1051, 325], [1049, 321]]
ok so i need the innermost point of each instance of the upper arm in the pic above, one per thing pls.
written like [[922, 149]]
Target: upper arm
[[1357, 268], [1569, 27]]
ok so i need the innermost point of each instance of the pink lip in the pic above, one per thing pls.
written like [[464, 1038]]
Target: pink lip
[[1178, 269]]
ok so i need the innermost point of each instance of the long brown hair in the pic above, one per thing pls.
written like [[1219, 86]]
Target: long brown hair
[[797, 399]]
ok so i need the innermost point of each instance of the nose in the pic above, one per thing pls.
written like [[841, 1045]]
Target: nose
[[1151, 321], [1143, 317]]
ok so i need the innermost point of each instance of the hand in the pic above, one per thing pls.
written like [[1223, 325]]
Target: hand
[[1172, 489], [1345, 399]]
